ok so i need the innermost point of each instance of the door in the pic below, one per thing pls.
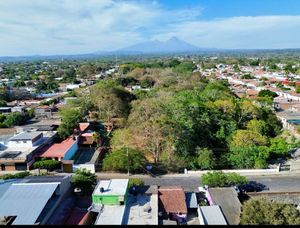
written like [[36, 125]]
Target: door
[[2, 167]]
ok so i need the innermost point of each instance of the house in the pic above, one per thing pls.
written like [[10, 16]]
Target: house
[[33, 200], [86, 134], [110, 192], [17, 152], [228, 201], [108, 200], [61, 151], [20, 109], [142, 206], [43, 111], [211, 215], [172, 203], [5, 110]]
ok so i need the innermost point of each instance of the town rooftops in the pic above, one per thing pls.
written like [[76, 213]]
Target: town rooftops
[[26, 201], [172, 199], [58, 149], [112, 187], [212, 215], [26, 136], [227, 199]]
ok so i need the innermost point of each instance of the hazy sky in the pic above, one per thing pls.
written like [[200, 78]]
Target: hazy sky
[[29, 27]]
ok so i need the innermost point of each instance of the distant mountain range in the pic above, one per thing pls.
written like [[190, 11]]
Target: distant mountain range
[[173, 45], [155, 48]]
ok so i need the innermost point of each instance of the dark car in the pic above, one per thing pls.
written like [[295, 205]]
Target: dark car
[[252, 186]]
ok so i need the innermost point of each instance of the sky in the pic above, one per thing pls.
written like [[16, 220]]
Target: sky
[[49, 27]]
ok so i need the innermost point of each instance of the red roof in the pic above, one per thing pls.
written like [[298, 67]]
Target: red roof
[[172, 199], [58, 150], [83, 126]]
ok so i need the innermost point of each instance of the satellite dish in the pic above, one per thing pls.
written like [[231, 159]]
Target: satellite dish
[[101, 189]]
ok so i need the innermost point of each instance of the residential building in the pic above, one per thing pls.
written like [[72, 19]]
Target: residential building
[[44, 111], [227, 199], [142, 206], [32, 201], [108, 200], [17, 152], [211, 215], [172, 203], [61, 151]]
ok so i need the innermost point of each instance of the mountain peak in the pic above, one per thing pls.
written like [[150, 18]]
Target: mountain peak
[[170, 46], [174, 38]]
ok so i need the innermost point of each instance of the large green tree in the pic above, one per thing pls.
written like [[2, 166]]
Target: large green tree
[[266, 212], [119, 161], [70, 119]]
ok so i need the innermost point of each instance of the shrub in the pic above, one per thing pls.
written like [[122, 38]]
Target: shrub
[[13, 176], [220, 179], [135, 182]]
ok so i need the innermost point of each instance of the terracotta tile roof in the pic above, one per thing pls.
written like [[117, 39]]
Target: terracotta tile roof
[[58, 150], [83, 126], [172, 199]]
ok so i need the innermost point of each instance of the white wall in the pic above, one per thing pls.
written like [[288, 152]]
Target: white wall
[[90, 167]]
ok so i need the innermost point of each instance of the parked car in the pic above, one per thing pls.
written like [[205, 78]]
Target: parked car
[[252, 186]]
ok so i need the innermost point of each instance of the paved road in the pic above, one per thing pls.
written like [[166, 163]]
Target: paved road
[[274, 183]]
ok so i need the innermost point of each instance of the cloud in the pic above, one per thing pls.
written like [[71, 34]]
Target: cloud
[[29, 27], [238, 32], [70, 26]]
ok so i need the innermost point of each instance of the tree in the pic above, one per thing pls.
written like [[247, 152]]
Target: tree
[[265, 212], [267, 93], [84, 180], [247, 157], [297, 88], [118, 160], [110, 100], [248, 138], [279, 148], [97, 138], [220, 179], [14, 119], [49, 165], [70, 75], [70, 121], [205, 159], [258, 126], [135, 182]]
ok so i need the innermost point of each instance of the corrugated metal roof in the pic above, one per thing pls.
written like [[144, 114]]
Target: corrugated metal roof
[[26, 201], [26, 136]]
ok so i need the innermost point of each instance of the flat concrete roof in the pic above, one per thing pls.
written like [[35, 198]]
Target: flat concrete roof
[[212, 215], [112, 187], [228, 200], [111, 215], [141, 210]]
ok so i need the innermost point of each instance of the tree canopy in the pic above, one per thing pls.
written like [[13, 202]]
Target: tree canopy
[[266, 212]]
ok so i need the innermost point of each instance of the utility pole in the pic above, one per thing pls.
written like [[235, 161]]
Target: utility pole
[[127, 160]]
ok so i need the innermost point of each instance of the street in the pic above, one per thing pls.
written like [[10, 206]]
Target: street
[[275, 183]]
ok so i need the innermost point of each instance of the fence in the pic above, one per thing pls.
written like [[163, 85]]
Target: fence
[[241, 171]]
